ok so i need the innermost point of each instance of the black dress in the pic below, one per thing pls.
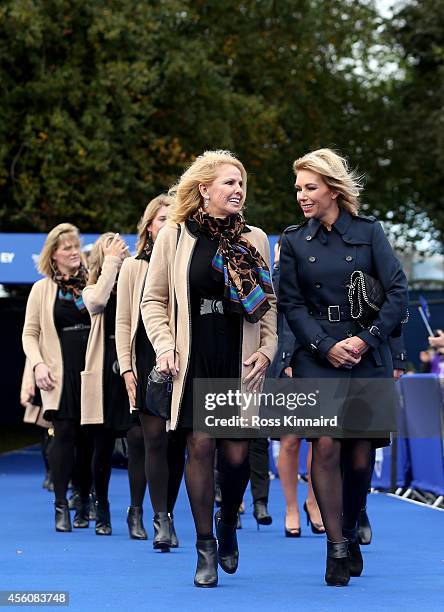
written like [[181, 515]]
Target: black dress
[[116, 409], [73, 343], [215, 343], [145, 361]]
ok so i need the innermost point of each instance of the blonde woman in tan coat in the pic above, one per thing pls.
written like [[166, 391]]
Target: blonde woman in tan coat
[[164, 454], [55, 335], [104, 405], [218, 334]]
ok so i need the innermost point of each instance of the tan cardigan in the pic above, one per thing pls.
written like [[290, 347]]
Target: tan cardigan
[[33, 412], [96, 298], [41, 342], [169, 270], [129, 293]]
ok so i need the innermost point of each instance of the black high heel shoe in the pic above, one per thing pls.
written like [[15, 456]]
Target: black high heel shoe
[[228, 551], [292, 532], [355, 560], [206, 570], [364, 528], [135, 523], [337, 572], [62, 518], [317, 528], [162, 532]]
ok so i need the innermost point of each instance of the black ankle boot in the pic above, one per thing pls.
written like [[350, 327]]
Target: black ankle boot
[[135, 523], [103, 519], [206, 570], [228, 552], [162, 533], [355, 561], [81, 515], [62, 518], [337, 572], [173, 534]]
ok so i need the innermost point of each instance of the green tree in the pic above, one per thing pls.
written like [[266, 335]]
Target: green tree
[[103, 103]]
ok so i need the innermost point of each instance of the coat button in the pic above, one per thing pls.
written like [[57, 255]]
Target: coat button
[[312, 259], [308, 238], [318, 285], [349, 258]]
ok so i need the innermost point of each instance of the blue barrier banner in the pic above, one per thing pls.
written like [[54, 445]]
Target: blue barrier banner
[[19, 254]]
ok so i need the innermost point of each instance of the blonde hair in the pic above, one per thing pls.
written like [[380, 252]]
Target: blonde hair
[[60, 233], [336, 173], [97, 256], [148, 217], [186, 194]]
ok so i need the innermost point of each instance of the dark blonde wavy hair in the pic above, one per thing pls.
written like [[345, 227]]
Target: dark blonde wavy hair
[[336, 173], [148, 217]]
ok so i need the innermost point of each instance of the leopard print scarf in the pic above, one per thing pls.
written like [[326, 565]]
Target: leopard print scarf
[[70, 289], [245, 273], [145, 254]]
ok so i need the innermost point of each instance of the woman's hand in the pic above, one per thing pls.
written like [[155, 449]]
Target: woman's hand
[[168, 364], [437, 342], [27, 395], [43, 377], [343, 355], [130, 384], [357, 343], [256, 376], [117, 248], [397, 373]]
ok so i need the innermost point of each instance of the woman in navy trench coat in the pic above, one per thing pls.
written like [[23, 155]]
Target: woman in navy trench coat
[[317, 259]]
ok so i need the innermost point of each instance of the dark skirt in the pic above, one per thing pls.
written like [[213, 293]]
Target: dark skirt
[[145, 362], [215, 352], [116, 409], [73, 344]]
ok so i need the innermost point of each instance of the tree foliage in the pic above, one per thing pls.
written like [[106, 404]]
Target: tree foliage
[[104, 103]]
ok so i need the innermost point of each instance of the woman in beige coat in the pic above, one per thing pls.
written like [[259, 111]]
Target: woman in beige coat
[[164, 454], [210, 260], [104, 405], [55, 335]]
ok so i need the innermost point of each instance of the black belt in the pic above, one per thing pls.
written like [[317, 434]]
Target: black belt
[[334, 314], [79, 327]]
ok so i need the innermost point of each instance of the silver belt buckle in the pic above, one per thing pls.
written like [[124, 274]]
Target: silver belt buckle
[[211, 306], [330, 315]]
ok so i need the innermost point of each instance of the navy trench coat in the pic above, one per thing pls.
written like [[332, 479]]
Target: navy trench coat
[[315, 270]]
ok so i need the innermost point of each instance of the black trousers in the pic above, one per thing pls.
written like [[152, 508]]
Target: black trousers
[[259, 467]]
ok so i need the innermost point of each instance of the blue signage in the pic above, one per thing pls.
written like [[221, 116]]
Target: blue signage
[[19, 254]]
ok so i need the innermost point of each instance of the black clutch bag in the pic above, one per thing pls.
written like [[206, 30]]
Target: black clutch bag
[[159, 391], [366, 296]]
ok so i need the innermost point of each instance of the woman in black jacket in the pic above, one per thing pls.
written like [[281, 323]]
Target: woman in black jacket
[[317, 259]]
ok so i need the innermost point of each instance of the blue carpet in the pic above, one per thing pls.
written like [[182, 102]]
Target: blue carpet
[[404, 565]]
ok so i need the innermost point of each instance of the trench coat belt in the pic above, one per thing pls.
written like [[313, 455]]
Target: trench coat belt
[[333, 314]]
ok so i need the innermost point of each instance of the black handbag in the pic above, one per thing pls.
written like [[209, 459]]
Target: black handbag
[[159, 388], [366, 296]]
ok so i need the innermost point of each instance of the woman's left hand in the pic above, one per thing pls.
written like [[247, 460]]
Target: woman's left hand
[[256, 376], [357, 344]]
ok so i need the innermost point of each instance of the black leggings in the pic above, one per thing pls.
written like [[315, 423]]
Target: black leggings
[[234, 471], [136, 464], [70, 452], [164, 462], [104, 440], [340, 473]]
